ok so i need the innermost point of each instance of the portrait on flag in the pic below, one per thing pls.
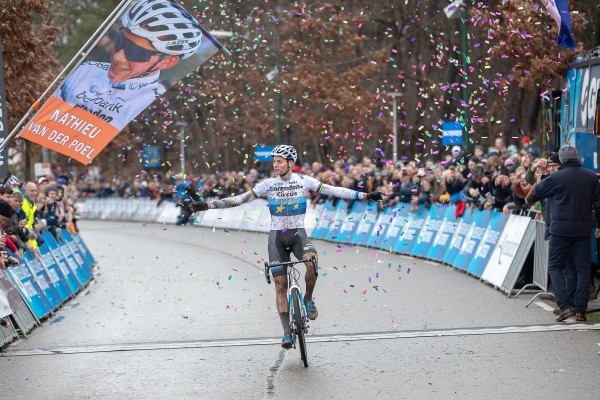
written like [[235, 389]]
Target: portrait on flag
[[152, 45]]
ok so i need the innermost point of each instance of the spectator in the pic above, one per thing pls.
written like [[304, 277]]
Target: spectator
[[574, 193], [529, 147]]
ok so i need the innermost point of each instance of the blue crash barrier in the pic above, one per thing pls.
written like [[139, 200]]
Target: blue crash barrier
[[465, 242], [45, 283]]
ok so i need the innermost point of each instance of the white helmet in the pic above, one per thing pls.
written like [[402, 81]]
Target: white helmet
[[167, 25], [285, 151]]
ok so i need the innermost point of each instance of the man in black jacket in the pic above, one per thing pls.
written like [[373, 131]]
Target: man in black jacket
[[574, 192]]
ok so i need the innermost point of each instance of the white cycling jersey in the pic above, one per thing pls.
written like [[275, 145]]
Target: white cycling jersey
[[117, 103], [287, 198]]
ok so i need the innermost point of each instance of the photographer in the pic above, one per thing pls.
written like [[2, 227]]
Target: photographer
[[477, 187]]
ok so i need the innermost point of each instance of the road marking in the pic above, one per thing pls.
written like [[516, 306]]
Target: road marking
[[543, 305], [350, 337]]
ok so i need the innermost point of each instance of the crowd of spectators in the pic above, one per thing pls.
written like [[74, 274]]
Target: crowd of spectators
[[31, 208], [498, 178]]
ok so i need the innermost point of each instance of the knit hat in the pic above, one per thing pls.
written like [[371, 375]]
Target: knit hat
[[567, 152], [553, 158], [5, 209]]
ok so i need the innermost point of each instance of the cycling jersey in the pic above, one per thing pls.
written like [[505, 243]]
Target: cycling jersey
[[287, 198], [89, 88]]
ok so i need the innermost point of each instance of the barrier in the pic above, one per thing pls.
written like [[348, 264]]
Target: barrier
[[486, 244], [540, 263], [36, 287]]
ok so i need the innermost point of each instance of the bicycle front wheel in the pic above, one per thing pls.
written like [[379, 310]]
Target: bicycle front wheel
[[299, 323]]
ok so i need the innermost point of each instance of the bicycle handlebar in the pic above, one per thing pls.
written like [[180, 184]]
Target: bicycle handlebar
[[268, 266]]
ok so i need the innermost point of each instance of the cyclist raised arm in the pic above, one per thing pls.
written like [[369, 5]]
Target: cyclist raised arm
[[287, 194]]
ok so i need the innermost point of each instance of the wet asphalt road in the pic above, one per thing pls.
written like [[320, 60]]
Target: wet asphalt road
[[185, 313]]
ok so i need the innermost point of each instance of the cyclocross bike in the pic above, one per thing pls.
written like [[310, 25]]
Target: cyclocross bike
[[298, 315]]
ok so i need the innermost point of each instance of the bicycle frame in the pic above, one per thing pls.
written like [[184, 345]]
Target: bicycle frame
[[298, 328]]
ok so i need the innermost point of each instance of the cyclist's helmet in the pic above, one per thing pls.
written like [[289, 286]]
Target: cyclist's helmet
[[167, 25], [286, 151]]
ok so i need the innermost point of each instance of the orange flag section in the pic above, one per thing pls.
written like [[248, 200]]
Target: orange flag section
[[69, 130]]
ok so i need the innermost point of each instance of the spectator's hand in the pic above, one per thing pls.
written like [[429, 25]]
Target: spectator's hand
[[597, 233], [474, 193], [2, 240], [22, 223], [374, 196], [199, 206], [12, 261], [506, 210]]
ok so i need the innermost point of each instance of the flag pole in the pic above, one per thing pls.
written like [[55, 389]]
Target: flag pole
[[75, 61]]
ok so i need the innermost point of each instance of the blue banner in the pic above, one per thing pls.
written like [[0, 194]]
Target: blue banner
[[58, 278], [431, 226], [341, 212], [365, 226], [472, 240], [396, 227], [461, 230], [30, 290], [79, 255], [442, 239], [43, 279], [50, 243], [324, 221], [87, 254], [377, 237], [488, 242], [263, 153], [151, 156], [413, 223], [350, 223]]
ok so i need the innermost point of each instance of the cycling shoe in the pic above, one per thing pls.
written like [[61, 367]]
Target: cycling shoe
[[311, 310], [286, 342]]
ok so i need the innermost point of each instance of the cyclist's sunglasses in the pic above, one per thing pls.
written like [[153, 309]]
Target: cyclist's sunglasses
[[133, 52]]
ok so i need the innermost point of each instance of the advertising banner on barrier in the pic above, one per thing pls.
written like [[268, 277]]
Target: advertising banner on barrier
[[395, 229], [444, 235], [79, 255], [87, 254], [364, 228], [377, 237], [313, 213], [69, 276], [488, 242], [412, 228], [59, 280], [44, 279], [10, 300], [341, 213], [471, 241], [464, 224], [431, 226], [62, 255], [256, 216], [350, 223], [30, 290], [324, 222], [505, 250]]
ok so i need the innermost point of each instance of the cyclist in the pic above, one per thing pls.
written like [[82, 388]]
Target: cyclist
[[156, 35], [286, 193]]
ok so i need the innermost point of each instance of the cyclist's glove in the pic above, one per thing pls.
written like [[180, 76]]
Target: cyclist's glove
[[374, 196], [199, 206]]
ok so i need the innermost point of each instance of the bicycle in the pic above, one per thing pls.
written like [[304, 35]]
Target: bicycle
[[297, 309]]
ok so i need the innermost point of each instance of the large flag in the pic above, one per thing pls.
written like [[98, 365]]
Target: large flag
[[152, 45], [559, 10]]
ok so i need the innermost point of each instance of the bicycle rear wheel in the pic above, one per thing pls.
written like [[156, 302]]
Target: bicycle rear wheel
[[299, 322]]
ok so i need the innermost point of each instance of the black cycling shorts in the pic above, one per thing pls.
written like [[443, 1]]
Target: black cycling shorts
[[284, 243]]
